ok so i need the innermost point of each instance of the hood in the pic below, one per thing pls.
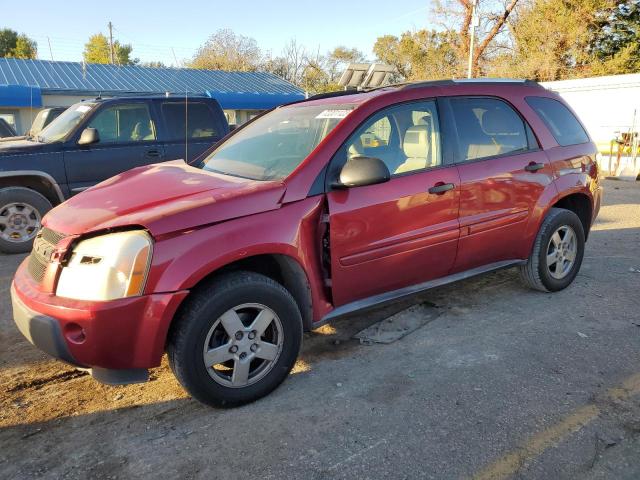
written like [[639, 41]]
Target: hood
[[10, 145], [163, 198]]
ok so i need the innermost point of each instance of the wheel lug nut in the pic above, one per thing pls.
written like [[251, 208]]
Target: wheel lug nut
[[239, 335], [252, 335], [243, 355], [233, 349], [254, 347]]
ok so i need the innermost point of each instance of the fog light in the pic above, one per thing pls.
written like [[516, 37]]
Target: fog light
[[74, 333]]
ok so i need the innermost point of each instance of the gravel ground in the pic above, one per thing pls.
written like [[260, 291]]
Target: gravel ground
[[503, 382]]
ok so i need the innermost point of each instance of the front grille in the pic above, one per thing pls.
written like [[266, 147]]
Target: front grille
[[43, 248]]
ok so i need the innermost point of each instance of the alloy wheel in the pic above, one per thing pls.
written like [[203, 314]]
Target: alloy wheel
[[19, 222], [243, 345], [561, 252]]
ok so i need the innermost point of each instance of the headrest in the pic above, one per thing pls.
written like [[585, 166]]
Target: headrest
[[356, 149], [499, 122], [416, 141]]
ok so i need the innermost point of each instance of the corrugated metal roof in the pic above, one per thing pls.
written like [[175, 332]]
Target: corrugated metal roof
[[93, 79]]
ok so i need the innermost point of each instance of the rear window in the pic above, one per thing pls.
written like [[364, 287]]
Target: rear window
[[200, 121], [564, 126]]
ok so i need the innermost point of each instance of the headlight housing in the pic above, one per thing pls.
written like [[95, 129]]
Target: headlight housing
[[106, 267]]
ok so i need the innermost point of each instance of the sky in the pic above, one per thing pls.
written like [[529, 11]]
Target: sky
[[159, 29]]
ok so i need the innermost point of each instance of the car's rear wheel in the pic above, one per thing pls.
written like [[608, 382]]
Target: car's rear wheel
[[557, 252], [236, 339], [21, 211]]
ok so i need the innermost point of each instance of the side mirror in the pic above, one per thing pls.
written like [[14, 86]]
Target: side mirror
[[361, 171], [89, 136]]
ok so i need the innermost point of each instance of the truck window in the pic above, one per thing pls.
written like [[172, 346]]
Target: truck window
[[124, 123], [200, 123]]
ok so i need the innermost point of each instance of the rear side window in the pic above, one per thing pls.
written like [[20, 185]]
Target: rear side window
[[194, 120], [488, 127], [564, 126]]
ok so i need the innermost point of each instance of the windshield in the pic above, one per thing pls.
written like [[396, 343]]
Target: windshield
[[273, 145], [67, 121]]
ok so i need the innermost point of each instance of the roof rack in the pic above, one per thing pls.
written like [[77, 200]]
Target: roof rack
[[478, 81], [423, 84]]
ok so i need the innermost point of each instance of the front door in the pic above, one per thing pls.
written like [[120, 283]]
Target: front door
[[502, 172], [403, 232], [128, 139]]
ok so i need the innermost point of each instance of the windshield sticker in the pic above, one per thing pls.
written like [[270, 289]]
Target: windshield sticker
[[334, 114], [83, 108]]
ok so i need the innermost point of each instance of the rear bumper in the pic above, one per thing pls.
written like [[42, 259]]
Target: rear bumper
[[117, 339]]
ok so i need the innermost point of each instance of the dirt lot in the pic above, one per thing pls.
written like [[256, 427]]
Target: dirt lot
[[504, 382]]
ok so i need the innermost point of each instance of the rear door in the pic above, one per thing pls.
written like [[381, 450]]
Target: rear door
[[128, 139], [502, 172], [190, 128], [389, 236]]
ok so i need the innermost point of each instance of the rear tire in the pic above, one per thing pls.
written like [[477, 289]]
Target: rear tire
[[21, 211], [557, 252], [235, 340]]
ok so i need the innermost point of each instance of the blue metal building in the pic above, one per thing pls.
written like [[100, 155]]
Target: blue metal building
[[26, 86]]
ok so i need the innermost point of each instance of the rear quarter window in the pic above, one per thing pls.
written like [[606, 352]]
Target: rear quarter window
[[562, 124]]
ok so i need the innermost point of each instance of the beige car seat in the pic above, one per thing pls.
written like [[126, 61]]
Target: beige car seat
[[142, 131], [416, 148]]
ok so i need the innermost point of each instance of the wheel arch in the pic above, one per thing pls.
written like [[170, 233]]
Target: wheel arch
[[280, 267], [580, 204], [40, 182]]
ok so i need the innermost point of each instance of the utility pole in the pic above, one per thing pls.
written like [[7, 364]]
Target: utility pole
[[50, 50], [472, 37], [111, 42]]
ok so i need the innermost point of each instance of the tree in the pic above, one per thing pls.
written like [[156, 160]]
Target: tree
[[315, 73], [616, 43], [421, 55], [225, 50], [16, 45], [153, 64], [555, 39], [97, 50], [493, 15]]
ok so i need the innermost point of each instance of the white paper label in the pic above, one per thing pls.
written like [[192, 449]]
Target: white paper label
[[334, 114]]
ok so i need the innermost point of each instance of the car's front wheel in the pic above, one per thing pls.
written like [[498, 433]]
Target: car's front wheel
[[236, 339], [557, 252], [21, 211]]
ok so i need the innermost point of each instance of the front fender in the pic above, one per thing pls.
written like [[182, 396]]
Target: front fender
[[182, 260]]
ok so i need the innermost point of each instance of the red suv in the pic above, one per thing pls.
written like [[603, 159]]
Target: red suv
[[311, 211]]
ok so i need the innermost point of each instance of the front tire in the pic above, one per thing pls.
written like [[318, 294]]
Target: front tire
[[557, 252], [235, 340], [21, 212]]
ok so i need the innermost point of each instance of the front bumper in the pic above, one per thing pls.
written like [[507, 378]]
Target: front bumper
[[117, 339]]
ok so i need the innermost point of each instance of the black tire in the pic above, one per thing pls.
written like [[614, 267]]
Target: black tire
[[31, 198], [535, 273], [199, 314]]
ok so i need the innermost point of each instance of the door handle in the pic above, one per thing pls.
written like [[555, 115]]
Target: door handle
[[534, 167], [153, 154], [441, 188]]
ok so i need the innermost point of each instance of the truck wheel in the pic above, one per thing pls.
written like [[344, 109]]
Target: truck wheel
[[557, 252], [21, 211], [235, 340]]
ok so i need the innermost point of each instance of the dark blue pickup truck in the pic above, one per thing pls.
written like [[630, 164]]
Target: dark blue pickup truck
[[90, 142]]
